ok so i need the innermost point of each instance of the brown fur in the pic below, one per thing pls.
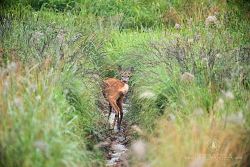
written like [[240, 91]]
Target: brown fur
[[114, 92]]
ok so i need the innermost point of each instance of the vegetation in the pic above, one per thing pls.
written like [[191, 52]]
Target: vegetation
[[189, 91]]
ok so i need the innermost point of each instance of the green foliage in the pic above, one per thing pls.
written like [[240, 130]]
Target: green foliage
[[55, 54], [49, 115], [39, 123], [57, 5], [208, 52]]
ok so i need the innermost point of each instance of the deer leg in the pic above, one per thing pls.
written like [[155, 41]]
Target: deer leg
[[115, 120], [110, 110], [119, 103], [117, 110]]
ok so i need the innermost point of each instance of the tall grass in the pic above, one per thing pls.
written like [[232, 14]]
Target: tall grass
[[49, 114], [40, 124], [189, 91], [183, 79]]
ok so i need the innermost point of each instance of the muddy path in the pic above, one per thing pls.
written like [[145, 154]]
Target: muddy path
[[117, 148]]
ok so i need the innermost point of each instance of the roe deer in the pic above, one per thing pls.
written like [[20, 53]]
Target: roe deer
[[115, 91]]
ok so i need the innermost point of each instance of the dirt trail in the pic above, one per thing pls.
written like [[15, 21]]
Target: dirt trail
[[117, 149]]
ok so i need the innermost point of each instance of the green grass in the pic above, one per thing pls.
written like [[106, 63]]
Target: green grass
[[54, 56], [215, 102], [49, 114], [45, 118]]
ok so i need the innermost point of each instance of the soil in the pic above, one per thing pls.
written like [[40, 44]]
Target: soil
[[117, 142]]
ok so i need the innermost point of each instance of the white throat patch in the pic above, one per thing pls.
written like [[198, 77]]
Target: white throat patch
[[124, 89]]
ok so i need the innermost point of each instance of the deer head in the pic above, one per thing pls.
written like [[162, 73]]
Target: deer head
[[125, 73]]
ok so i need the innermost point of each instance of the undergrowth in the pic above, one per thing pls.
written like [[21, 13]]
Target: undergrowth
[[189, 91]]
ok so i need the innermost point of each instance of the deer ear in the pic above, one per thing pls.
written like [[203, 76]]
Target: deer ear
[[119, 67], [132, 69]]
